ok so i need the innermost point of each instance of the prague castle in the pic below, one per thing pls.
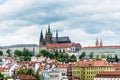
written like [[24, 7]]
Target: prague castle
[[49, 39], [59, 44]]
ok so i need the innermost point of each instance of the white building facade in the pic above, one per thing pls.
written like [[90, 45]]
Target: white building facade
[[102, 50], [31, 47]]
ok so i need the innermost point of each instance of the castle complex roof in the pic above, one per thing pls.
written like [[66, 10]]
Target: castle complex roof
[[93, 47], [63, 45], [61, 39]]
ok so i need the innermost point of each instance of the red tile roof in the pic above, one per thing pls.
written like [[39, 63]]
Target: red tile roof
[[62, 65], [1, 69], [117, 67], [63, 45], [89, 47], [93, 63], [108, 74], [26, 77], [41, 67]]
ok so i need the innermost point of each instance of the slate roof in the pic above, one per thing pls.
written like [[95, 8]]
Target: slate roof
[[61, 39]]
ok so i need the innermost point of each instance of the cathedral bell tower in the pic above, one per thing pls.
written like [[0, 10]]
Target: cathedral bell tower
[[48, 35]]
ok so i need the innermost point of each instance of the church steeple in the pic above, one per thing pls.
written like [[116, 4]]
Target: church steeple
[[41, 36], [49, 32], [41, 41], [101, 43], [97, 42]]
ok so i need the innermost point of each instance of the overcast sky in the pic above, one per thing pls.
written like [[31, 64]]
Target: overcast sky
[[82, 20]]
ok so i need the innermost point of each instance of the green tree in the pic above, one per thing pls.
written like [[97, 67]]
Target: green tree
[[56, 54], [9, 52], [40, 54], [21, 71], [73, 58], [38, 76], [1, 76], [51, 56], [59, 58], [26, 52], [91, 55], [61, 55], [109, 58], [45, 53], [21, 58], [97, 57], [30, 71], [27, 58], [1, 52], [18, 53], [83, 54], [104, 56], [66, 55], [116, 58]]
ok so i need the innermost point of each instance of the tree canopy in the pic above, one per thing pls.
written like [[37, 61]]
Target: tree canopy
[[1, 52], [24, 55], [91, 55], [83, 54], [9, 52], [61, 57]]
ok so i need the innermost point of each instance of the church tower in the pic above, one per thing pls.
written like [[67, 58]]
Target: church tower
[[48, 35], [41, 40], [101, 43], [97, 42]]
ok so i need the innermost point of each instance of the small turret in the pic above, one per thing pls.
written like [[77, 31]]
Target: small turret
[[97, 42], [101, 43]]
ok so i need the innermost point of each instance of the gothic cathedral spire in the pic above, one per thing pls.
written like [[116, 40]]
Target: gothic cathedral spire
[[41, 41], [49, 32]]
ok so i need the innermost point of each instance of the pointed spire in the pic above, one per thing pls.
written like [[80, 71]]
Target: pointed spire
[[41, 41], [49, 32], [101, 43], [97, 42], [41, 36]]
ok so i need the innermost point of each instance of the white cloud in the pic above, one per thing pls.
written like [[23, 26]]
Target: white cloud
[[82, 20], [21, 35]]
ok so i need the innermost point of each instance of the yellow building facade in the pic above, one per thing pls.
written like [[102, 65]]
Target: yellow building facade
[[87, 70]]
